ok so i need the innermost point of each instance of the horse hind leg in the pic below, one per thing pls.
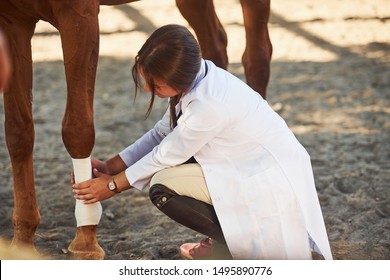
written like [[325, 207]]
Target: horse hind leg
[[257, 55], [19, 130], [201, 16]]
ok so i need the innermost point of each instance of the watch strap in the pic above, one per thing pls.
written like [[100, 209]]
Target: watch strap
[[116, 186]]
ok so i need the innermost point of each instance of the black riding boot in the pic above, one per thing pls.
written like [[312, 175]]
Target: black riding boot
[[192, 213]]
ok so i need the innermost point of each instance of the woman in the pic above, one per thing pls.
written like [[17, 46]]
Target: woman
[[220, 161]]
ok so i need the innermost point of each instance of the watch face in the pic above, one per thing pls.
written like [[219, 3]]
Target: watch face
[[111, 186]]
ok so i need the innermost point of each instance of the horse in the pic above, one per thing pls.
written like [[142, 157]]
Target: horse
[[77, 23]]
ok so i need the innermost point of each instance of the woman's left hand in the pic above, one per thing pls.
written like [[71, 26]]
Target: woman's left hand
[[93, 190]]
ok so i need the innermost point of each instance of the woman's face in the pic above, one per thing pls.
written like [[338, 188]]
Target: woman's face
[[161, 89]]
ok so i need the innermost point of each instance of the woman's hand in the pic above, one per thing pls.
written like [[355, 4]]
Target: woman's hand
[[93, 190], [100, 165]]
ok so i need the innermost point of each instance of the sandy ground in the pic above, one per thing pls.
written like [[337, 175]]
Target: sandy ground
[[330, 81]]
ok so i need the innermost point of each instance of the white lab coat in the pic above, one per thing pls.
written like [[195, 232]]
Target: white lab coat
[[259, 176]]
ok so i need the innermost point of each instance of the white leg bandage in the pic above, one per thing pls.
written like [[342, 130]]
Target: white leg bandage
[[86, 214]]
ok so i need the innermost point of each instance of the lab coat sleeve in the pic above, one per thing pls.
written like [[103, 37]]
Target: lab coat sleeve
[[197, 126], [147, 142]]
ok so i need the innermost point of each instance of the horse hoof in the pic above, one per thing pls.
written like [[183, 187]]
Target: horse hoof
[[85, 245], [96, 254], [82, 251]]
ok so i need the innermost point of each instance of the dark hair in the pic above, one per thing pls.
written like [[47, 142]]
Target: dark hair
[[172, 55]]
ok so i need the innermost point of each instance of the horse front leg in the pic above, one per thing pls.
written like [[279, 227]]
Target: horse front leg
[[79, 31], [4, 63], [257, 55], [211, 35], [19, 130]]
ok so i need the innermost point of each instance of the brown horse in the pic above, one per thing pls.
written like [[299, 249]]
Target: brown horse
[[79, 31], [77, 22]]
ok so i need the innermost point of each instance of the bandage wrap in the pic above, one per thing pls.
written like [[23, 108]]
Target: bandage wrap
[[86, 214]]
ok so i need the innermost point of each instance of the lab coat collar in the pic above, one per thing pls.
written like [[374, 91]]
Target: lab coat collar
[[201, 74]]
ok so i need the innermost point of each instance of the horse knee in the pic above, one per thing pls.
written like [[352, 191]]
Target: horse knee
[[78, 135], [20, 139]]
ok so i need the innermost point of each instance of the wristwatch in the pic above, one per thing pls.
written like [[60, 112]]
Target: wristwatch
[[112, 186]]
